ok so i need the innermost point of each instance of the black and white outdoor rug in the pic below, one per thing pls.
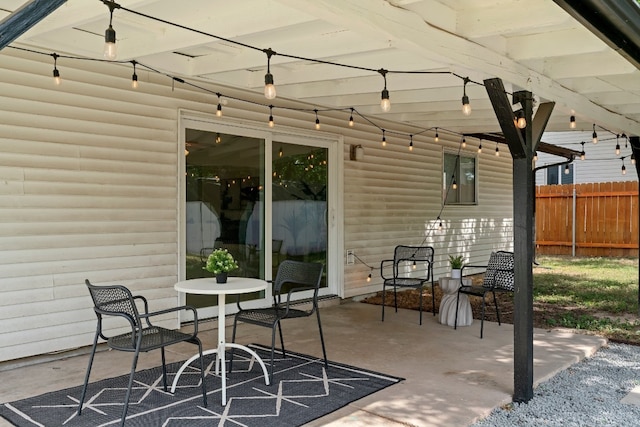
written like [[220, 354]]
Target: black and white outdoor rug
[[302, 391]]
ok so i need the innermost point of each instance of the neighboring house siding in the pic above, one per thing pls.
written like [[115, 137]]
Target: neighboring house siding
[[88, 189], [601, 163]]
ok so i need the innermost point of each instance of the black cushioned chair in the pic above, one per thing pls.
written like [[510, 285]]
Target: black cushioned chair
[[498, 277], [411, 267], [292, 276], [118, 301]]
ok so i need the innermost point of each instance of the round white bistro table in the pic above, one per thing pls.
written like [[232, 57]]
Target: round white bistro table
[[209, 286], [450, 288]]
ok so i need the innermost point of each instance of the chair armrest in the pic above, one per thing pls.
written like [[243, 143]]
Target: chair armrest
[[384, 263], [287, 303], [173, 309], [471, 266]]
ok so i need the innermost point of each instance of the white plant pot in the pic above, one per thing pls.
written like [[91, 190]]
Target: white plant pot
[[455, 273]]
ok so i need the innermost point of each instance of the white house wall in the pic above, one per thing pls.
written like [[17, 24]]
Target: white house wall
[[601, 163], [88, 189]]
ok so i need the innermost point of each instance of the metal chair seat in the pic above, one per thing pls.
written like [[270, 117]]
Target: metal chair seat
[[292, 276], [117, 301]]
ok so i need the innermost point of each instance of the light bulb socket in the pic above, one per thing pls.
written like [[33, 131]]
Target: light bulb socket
[[110, 35]]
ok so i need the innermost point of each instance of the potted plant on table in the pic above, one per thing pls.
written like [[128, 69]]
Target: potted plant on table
[[456, 262], [220, 263]]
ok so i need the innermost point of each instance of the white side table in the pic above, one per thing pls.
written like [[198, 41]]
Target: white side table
[[449, 288], [208, 286]]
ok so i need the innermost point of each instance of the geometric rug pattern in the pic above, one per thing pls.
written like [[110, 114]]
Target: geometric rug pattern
[[302, 391]]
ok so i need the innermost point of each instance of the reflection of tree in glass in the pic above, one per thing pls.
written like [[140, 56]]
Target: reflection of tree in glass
[[303, 175]]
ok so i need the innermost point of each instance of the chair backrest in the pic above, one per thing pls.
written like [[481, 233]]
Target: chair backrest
[[299, 274], [410, 255], [499, 273], [114, 300]]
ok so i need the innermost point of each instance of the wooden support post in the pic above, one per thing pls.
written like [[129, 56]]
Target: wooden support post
[[522, 145], [28, 15], [634, 141]]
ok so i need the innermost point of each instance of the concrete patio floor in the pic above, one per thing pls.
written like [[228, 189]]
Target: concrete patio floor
[[453, 377]]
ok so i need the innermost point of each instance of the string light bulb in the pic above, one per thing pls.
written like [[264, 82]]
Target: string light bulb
[[466, 107], [369, 276], [572, 122], [410, 142], [566, 169], [414, 265], [439, 223], [56, 73], [454, 184], [280, 152], [633, 159], [436, 138], [594, 135], [521, 122], [271, 123], [218, 138], [624, 169], [317, 120], [269, 87], [535, 156], [385, 104], [582, 154], [497, 150], [384, 138], [351, 123], [480, 148], [134, 76], [219, 108], [464, 142], [617, 145], [110, 49]]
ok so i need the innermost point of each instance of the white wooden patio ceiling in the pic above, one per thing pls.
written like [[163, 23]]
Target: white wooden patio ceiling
[[529, 44]]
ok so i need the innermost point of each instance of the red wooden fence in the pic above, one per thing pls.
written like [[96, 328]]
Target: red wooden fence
[[606, 219]]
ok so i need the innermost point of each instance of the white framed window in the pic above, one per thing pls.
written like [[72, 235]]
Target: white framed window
[[459, 179]]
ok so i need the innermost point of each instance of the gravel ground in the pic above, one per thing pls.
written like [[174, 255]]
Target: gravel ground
[[586, 394]]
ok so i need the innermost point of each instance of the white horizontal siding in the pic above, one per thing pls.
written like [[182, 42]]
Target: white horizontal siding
[[601, 163], [88, 189]]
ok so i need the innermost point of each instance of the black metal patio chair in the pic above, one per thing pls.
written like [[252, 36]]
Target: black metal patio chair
[[498, 277], [292, 276], [411, 267], [116, 300]]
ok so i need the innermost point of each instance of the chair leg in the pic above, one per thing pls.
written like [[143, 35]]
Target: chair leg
[[433, 297], [395, 298], [86, 377], [383, 295], [164, 369], [455, 322], [273, 345], [420, 308], [204, 387], [324, 351], [128, 395], [495, 301], [482, 318], [281, 339], [233, 340]]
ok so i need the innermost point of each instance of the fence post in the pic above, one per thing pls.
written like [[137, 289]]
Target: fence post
[[573, 224]]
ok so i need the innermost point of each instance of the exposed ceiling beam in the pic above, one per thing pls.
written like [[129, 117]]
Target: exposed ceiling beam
[[378, 18], [28, 15], [616, 22]]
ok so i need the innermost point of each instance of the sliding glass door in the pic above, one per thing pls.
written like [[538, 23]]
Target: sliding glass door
[[265, 197]]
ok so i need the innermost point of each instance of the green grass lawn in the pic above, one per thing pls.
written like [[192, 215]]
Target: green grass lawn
[[599, 295]]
